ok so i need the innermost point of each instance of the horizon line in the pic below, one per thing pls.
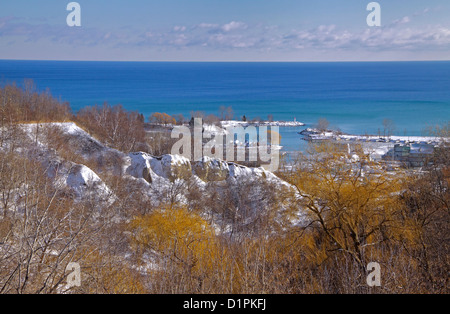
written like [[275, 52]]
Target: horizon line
[[226, 61]]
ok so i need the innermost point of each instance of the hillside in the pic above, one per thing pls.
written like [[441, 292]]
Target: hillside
[[99, 192], [158, 179]]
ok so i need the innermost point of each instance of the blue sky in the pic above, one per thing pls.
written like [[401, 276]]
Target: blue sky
[[225, 30]]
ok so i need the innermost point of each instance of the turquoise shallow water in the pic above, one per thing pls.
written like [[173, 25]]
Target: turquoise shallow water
[[355, 97]]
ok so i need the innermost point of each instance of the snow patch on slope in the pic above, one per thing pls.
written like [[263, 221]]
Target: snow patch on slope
[[82, 180]]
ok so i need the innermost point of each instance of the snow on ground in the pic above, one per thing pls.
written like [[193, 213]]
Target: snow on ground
[[163, 175], [393, 139], [164, 170], [82, 181], [169, 167], [314, 134], [375, 146], [210, 129], [160, 178], [70, 128]]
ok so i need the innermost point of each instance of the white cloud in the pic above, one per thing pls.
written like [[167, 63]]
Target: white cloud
[[403, 20], [179, 28], [399, 35], [391, 37], [234, 26], [208, 25]]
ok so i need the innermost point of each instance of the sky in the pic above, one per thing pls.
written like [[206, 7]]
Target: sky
[[225, 30]]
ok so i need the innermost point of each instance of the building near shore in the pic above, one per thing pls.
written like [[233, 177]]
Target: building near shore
[[411, 156]]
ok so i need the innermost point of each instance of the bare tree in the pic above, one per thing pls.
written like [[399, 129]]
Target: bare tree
[[388, 127], [323, 124], [114, 126], [229, 113], [46, 232]]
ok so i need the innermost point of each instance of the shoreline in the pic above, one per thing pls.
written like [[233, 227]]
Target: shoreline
[[262, 123], [311, 134], [230, 123], [377, 147]]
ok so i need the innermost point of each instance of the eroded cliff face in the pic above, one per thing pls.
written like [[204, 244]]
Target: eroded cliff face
[[174, 167], [83, 167], [170, 167], [211, 170]]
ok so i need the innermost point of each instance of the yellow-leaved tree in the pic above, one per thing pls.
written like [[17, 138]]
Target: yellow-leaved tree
[[178, 247], [353, 207]]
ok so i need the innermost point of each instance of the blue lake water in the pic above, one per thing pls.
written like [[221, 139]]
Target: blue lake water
[[354, 96]]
